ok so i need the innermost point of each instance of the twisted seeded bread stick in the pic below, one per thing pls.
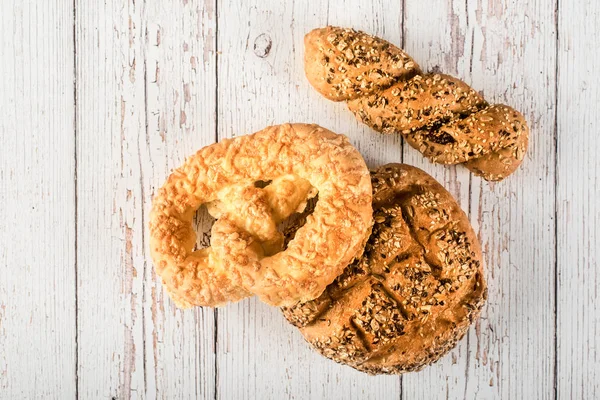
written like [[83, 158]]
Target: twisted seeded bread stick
[[441, 116]]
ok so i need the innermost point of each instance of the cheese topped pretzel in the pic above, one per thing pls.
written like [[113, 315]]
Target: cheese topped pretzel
[[245, 256]]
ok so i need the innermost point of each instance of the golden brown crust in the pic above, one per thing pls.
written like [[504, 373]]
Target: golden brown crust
[[413, 293], [244, 259], [439, 115], [347, 69]]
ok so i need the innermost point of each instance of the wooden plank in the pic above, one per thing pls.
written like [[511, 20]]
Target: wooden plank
[[37, 193], [578, 207], [511, 351], [259, 355], [181, 104], [146, 79], [110, 123], [509, 57], [445, 48]]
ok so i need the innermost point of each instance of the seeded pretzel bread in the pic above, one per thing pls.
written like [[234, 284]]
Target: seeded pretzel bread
[[413, 293], [441, 116]]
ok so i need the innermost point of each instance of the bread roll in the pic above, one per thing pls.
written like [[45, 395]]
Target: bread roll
[[413, 293]]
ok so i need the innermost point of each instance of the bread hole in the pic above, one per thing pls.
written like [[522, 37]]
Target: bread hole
[[294, 222], [262, 184], [442, 138], [202, 223], [402, 257]]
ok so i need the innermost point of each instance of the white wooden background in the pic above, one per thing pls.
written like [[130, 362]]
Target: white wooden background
[[99, 100]]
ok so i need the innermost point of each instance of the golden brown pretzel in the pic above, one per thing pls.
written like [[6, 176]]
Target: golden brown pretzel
[[244, 259], [439, 115]]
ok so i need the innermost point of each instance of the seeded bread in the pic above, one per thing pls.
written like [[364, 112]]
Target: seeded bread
[[413, 293], [441, 116]]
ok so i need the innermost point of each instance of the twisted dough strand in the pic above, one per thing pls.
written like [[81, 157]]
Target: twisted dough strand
[[441, 116], [246, 255]]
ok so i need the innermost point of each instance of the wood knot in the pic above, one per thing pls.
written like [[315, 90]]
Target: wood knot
[[435, 69], [262, 45]]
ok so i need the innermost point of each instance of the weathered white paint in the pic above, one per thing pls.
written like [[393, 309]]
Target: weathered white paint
[[512, 350], [146, 99], [446, 49], [259, 355], [507, 51], [181, 118], [110, 253], [81, 311], [37, 200], [578, 202]]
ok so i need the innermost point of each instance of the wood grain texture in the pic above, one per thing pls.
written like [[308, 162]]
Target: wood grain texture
[[110, 252], [510, 59], [144, 69], [37, 193], [181, 118], [259, 355], [445, 49], [512, 348], [101, 100], [578, 205]]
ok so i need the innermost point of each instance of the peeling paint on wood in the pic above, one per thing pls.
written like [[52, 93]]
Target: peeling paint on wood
[[37, 197], [259, 355], [513, 241], [578, 204]]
